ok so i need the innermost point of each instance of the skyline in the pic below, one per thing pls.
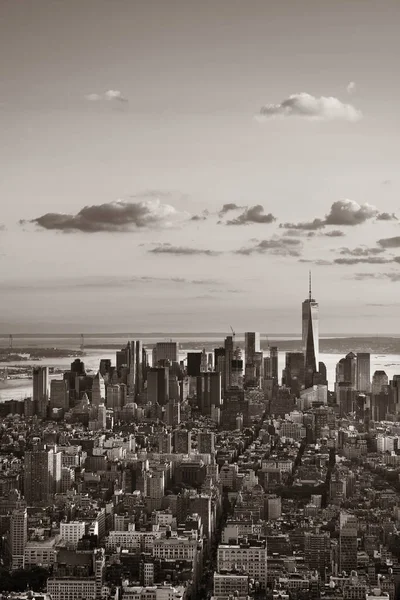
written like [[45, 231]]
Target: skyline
[[172, 166]]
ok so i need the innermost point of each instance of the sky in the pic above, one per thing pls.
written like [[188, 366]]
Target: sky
[[181, 165]]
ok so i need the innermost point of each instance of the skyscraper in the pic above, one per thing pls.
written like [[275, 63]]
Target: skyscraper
[[310, 337], [18, 537], [273, 354], [40, 377], [251, 346], [228, 361], [158, 385], [363, 372], [42, 469]]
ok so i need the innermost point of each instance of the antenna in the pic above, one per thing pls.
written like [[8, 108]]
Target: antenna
[[10, 342], [82, 342], [309, 285]]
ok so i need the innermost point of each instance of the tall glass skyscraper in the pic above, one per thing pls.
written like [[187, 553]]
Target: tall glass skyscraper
[[310, 337]]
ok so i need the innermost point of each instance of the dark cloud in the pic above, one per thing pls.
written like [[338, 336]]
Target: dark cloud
[[182, 251], [276, 246], [392, 242], [342, 212], [119, 216], [309, 107], [361, 251], [334, 233], [370, 260], [349, 213], [202, 217], [386, 217], [298, 233], [228, 208], [253, 214], [306, 226]]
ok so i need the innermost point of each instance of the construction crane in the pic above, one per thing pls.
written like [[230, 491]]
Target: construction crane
[[10, 342], [233, 333]]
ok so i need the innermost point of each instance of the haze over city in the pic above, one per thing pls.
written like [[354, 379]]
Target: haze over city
[[180, 166]]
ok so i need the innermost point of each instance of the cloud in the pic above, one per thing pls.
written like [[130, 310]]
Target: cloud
[[392, 242], [229, 207], [361, 251], [309, 107], [118, 216], [370, 260], [202, 217], [386, 217], [305, 226], [275, 246], [342, 212], [393, 276], [350, 213], [318, 262], [351, 87], [89, 282], [110, 95], [182, 251], [252, 214], [298, 233], [334, 233]]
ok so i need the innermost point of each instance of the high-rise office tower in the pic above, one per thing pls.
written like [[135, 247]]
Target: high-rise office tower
[[251, 346], [121, 358], [204, 362], [182, 441], [350, 369], [18, 537], [206, 442], [98, 390], [165, 351], [158, 385], [363, 372], [273, 354], [379, 381], [294, 371], [78, 367], [194, 364], [347, 542], [138, 367], [40, 377], [229, 350], [59, 394], [310, 337], [42, 475], [209, 391]]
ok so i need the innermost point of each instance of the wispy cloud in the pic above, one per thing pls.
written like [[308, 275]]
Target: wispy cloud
[[361, 251], [351, 87], [346, 213], [182, 251], [309, 107], [109, 95], [318, 262], [118, 216], [252, 214], [392, 276], [275, 246], [105, 282]]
